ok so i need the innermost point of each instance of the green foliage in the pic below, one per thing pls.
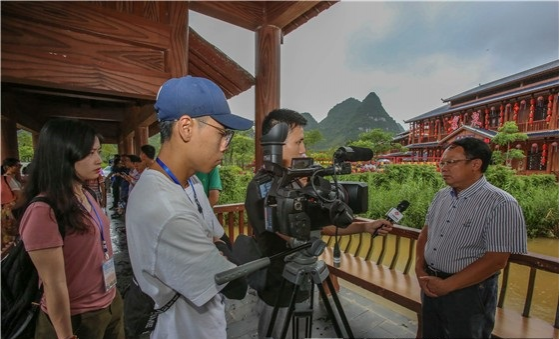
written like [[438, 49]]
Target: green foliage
[[378, 141], [507, 134], [25, 143], [537, 194], [241, 150], [312, 137], [234, 183]]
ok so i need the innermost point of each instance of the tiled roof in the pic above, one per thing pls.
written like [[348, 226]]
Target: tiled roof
[[512, 78], [447, 109], [542, 134]]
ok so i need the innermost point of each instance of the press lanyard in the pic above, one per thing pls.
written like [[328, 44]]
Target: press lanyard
[[100, 226], [175, 180]]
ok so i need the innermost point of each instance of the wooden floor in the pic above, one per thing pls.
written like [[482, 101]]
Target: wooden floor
[[368, 315]]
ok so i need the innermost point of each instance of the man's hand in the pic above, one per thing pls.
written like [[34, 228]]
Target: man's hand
[[434, 286], [382, 226]]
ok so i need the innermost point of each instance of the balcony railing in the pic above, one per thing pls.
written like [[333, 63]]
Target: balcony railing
[[524, 127]]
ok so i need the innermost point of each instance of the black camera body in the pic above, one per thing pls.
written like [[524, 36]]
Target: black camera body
[[296, 210]]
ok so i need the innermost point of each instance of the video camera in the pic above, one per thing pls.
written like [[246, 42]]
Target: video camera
[[295, 210]]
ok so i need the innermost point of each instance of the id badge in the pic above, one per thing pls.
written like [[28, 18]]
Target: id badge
[[109, 274]]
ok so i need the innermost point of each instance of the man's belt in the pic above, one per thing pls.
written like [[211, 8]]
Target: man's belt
[[437, 273]]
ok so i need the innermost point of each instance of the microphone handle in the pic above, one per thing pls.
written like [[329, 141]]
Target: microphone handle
[[241, 271], [376, 232]]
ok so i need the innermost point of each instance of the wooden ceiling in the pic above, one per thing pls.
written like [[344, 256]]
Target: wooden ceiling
[[103, 61]]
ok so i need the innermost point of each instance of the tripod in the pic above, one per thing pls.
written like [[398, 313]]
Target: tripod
[[303, 268]]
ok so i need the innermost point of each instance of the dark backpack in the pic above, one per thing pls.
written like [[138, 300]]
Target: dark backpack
[[21, 293]]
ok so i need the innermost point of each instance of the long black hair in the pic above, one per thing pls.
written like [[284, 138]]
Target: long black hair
[[62, 142]]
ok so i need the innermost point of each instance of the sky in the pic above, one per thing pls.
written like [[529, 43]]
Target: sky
[[411, 54]]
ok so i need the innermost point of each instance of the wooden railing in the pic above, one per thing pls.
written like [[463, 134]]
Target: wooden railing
[[375, 269]]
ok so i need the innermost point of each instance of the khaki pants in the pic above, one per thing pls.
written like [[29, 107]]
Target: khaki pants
[[106, 323]]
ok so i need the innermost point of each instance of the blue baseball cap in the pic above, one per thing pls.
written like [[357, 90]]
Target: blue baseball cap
[[196, 97]]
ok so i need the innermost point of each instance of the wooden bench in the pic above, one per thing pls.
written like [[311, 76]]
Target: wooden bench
[[400, 287]]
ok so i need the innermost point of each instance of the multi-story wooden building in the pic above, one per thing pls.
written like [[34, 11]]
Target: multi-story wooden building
[[529, 98]]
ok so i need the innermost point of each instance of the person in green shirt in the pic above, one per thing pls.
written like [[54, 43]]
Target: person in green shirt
[[212, 184]]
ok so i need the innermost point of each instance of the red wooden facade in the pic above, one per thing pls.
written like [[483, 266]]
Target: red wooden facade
[[529, 98]]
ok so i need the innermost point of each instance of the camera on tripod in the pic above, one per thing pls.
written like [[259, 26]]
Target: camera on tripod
[[295, 210]]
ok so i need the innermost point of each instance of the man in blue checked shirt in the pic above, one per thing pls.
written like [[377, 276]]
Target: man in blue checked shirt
[[471, 229]]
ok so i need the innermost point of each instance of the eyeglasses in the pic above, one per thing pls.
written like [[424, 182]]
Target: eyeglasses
[[227, 134], [451, 162]]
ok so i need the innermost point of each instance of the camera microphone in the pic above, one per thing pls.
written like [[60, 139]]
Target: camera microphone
[[352, 153]]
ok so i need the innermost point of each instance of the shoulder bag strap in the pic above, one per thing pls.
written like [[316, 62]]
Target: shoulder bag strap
[[48, 201]]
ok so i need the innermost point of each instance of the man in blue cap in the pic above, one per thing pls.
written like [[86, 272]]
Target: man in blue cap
[[171, 248]]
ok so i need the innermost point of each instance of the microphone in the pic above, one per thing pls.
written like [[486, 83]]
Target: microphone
[[352, 153], [394, 215]]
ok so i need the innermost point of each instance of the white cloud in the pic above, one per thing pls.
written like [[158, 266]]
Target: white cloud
[[411, 54]]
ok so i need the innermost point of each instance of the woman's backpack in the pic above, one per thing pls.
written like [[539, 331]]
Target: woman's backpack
[[21, 293]]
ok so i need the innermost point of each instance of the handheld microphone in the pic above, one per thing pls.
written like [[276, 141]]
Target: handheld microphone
[[352, 153], [394, 215]]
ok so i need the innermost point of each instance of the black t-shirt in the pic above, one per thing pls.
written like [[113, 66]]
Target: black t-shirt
[[269, 244]]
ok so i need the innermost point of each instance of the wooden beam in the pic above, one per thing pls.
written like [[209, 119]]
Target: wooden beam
[[245, 14], [282, 13]]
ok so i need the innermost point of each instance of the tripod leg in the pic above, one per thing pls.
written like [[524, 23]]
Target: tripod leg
[[339, 308], [275, 311], [290, 312], [330, 311]]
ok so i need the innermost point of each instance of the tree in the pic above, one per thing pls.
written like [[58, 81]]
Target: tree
[[312, 137], [25, 146], [378, 141], [241, 151], [506, 135]]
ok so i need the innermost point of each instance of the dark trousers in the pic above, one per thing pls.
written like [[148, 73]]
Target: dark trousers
[[106, 323], [116, 188], [465, 313]]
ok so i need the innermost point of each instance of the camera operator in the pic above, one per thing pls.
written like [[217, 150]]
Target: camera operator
[[273, 243]]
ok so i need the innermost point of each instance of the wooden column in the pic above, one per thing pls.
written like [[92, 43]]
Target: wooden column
[[34, 139], [128, 144], [140, 138], [9, 141], [267, 89]]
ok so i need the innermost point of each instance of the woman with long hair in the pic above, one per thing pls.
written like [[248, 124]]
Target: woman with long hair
[[76, 268]]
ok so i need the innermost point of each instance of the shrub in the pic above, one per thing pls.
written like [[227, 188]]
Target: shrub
[[537, 194]]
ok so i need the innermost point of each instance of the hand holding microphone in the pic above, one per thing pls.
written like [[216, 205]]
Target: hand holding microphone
[[394, 215]]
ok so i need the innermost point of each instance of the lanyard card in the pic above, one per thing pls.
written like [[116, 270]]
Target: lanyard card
[[109, 274]]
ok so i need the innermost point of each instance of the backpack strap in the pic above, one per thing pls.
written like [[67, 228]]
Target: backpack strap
[[49, 202]]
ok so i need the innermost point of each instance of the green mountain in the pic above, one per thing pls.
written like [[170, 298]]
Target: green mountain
[[346, 120]]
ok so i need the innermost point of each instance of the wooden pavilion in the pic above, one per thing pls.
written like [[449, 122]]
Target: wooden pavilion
[[104, 61]]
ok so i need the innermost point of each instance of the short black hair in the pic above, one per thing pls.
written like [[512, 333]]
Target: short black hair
[[149, 150], [9, 162], [288, 116], [134, 158], [475, 149]]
